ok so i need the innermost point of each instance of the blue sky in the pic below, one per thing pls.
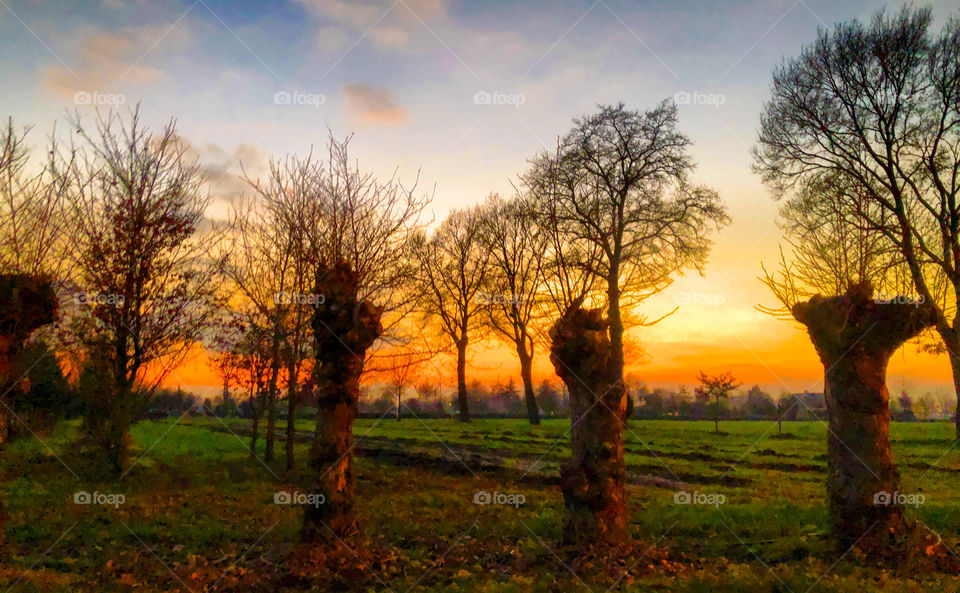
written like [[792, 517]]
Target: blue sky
[[404, 76]]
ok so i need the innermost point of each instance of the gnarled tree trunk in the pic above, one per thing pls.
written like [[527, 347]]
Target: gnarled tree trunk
[[855, 338], [344, 328], [593, 480]]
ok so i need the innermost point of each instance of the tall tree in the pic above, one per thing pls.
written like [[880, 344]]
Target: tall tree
[[452, 268], [878, 104], [826, 282], [274, 272], [516, 245], [357, 231], [141, 264], [617, 192]]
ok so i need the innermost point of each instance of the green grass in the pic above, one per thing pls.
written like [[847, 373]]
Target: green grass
[[199, 507]]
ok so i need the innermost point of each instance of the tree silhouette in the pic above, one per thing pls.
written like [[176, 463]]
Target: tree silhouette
[[878, 106], [514, 280], [453, 264], [717, 387], [144, 270], [617, 199]]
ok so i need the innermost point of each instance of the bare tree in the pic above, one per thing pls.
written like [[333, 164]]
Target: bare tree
[[452, 269], [516, 245], [827, 284], [31, 207], [272, 269], [617, 189], [141, 264], [357, 231], [31, 202], [717, 387], [625, 214], [241, 350], [879, 105], [401, 366]]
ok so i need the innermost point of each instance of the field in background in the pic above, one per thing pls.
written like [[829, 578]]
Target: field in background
[[740, 511]]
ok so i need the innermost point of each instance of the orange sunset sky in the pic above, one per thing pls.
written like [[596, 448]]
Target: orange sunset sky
[[406, 77]]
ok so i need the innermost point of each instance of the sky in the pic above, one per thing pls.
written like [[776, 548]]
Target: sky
[[457, 96]]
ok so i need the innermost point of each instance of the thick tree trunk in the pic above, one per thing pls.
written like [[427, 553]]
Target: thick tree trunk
[[462, 402], [855, 338], [526, 374], [344, 328], [593, 480]]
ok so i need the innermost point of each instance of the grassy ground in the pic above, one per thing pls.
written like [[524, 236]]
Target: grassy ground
[[199, 511]]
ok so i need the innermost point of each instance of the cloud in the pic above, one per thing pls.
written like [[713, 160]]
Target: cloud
[[389, 36], [393, 23], [330, 40], [224, 171], [114, 59], [372, 105]]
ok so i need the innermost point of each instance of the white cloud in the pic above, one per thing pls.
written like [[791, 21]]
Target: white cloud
[[373, 105]]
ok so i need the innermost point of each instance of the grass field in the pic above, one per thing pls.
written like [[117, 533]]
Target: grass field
[[205, 509]]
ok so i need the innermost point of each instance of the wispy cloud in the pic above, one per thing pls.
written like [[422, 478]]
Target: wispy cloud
[[111, 60], [373, 105]]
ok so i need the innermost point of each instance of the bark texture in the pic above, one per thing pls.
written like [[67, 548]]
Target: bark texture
[[593, 480], [344, 328], [855, 338]]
